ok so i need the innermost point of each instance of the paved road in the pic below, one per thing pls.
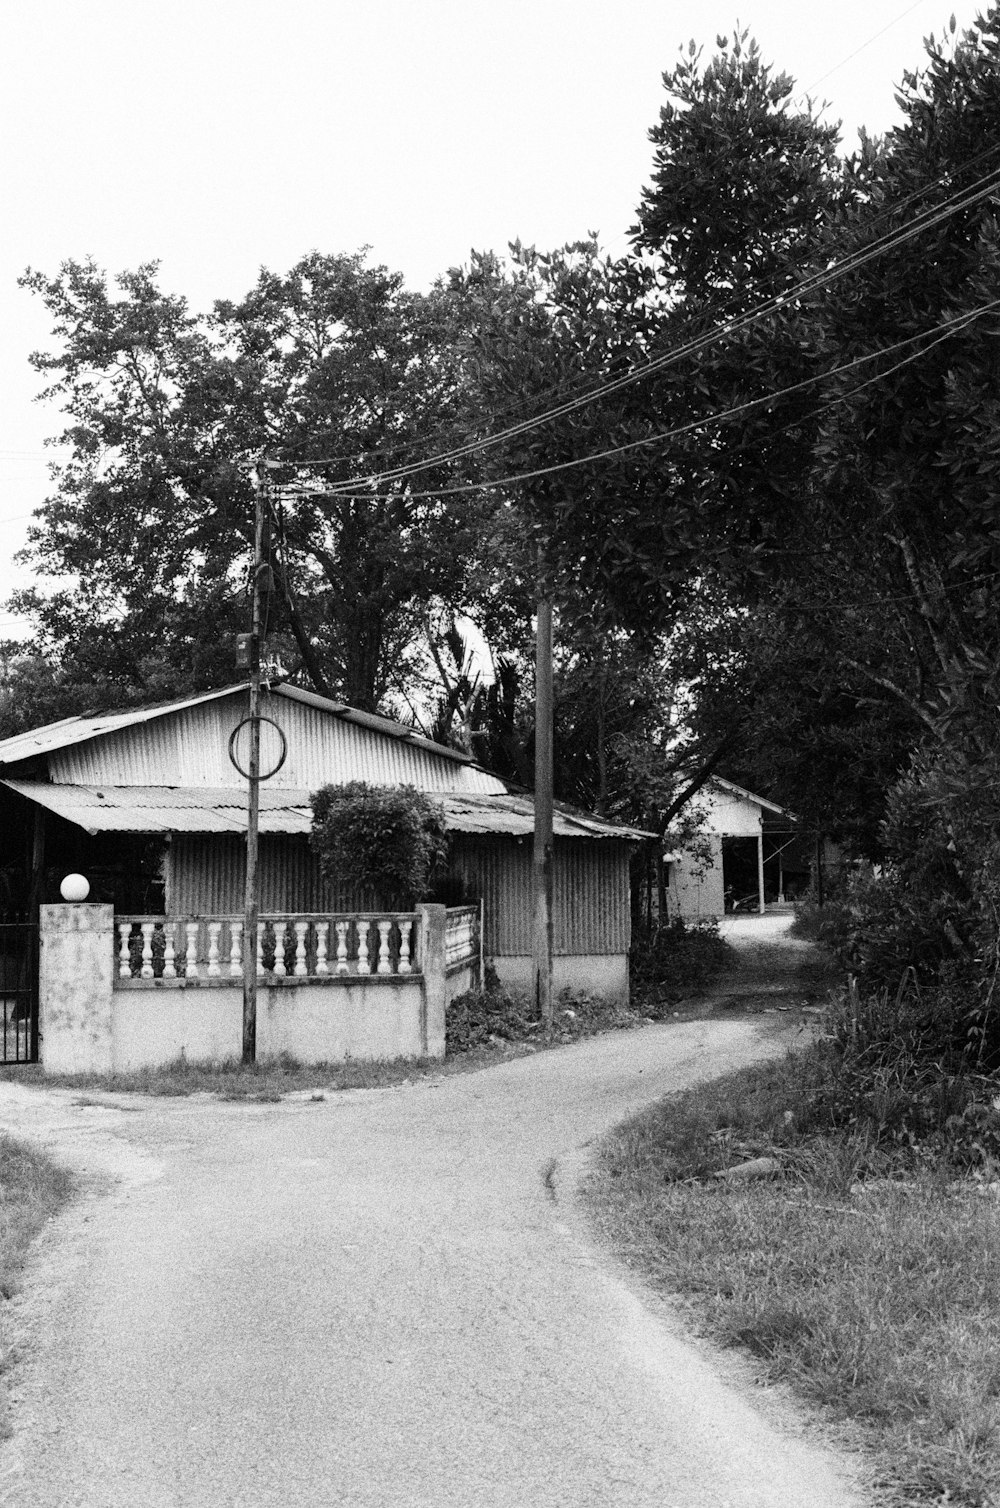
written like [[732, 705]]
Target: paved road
[[376, 1299]]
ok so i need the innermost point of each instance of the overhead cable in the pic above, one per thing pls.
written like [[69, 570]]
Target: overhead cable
[[944, 331], [964, 199]]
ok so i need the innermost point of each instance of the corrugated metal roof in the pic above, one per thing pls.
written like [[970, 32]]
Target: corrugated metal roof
[[76, 730], [516, 814], [190, 748], [222, 809]]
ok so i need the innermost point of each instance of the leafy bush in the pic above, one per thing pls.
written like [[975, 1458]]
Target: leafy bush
[[679, 958], [385, 840]]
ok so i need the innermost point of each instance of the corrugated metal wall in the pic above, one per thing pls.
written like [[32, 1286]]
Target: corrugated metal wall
[[591, 896], [590, 893], [590, 887], [190, 748], [207, 877]]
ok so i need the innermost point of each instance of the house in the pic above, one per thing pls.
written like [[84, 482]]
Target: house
[[149, 806], [745, 855]]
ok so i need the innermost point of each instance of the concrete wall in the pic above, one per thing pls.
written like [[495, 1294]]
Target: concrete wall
[[604, 975], [92, 1021], [154, 1023]]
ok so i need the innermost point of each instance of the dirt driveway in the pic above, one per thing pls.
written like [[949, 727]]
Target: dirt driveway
[[379, 1298]]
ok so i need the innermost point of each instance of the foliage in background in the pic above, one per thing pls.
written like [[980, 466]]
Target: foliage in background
[[384, 841]]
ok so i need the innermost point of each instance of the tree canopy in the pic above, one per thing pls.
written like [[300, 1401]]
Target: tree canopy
[[331, 369]]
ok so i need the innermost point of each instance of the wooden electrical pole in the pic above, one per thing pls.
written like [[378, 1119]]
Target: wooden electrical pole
[[251, 905], [542, 853]]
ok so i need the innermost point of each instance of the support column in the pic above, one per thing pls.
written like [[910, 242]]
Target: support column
[[760, 871]]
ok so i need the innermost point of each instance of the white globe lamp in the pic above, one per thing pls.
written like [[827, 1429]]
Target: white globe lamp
[[75, 887]]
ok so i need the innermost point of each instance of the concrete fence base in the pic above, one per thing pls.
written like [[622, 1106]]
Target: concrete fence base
[[91, 1021]]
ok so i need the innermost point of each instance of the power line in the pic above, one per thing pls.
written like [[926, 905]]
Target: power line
[[859, 50], [964, 199], [577, 385], [948, 327], [593, 393]]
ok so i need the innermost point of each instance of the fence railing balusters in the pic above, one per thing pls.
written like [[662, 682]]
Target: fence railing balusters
[[289, 947]]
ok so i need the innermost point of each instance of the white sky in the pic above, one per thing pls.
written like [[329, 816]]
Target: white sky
[[219, 136]]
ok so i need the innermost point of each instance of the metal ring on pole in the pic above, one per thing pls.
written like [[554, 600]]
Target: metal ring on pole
[[232, 747]]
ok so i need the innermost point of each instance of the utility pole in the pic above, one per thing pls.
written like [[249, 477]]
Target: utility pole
[[542, 853], [251, 906]]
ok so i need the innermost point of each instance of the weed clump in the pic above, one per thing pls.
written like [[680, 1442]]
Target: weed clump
[[498, 1015]]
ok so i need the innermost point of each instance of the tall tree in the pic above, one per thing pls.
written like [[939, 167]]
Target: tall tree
[[334, 370], [872, 621]]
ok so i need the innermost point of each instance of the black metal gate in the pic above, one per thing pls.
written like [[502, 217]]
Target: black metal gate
[[19, 992]]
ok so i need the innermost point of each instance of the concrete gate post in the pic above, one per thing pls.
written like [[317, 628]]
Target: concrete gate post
[[433, 926], [75, 985]]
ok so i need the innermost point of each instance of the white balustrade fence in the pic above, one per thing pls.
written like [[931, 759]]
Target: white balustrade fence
[[462, 935], [295, 946]]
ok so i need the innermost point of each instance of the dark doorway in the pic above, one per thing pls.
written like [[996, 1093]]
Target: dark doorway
[[739, 874]]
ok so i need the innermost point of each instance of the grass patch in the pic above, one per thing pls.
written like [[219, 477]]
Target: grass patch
[[32, 1189], [266, 1081], [882, 1304], [666, 966]]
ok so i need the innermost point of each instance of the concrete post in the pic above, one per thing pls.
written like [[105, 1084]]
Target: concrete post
[[433, 926], [75, 984]]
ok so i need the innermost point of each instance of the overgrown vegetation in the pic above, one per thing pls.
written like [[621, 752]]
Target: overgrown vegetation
[[677, 959], [916, 1031], [496, 1015], [862, 1272], [32, 1189], [667, 965]]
